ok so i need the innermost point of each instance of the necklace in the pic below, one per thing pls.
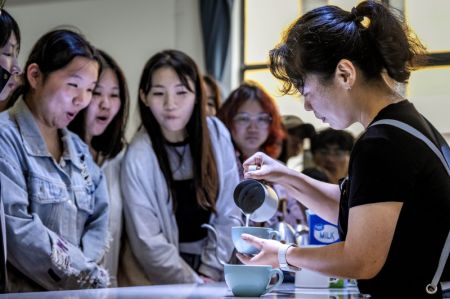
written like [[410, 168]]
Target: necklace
[[180, 155], [176, 153]]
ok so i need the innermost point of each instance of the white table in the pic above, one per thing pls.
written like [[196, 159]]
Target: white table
[[191, 291]]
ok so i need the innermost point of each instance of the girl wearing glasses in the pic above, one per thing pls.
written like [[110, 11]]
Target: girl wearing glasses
[[253, 120], [252, 117]]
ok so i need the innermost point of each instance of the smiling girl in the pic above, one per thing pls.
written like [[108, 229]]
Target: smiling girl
[[55, 196]]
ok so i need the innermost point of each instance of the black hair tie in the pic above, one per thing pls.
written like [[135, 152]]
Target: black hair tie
[[355, 17]]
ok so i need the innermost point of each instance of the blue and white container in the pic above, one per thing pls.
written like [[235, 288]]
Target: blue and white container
[[321, 232]]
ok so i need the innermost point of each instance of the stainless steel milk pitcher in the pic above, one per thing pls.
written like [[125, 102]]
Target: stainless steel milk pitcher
[[256, 199]]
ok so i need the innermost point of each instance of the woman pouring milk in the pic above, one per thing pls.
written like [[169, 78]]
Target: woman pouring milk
[[338, 60]]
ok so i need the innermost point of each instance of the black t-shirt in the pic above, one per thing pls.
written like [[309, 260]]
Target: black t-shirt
[[189, 214], [388, 164]]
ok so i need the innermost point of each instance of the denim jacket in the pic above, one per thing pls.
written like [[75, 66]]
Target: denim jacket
[[56, 212]]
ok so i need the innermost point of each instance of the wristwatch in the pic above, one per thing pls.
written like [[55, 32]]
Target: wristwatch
[[282, 250]]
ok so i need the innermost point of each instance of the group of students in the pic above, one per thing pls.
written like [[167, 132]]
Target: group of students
[[178, 172], [83, 208], [66, 170], [67, 174]]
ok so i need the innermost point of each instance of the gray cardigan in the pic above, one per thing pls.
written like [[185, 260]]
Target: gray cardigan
[[151, 251]]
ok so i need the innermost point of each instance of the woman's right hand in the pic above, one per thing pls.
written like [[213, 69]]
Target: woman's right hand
[[267, 169]]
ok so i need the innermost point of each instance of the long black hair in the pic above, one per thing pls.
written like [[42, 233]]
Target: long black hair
[[53, 51], [8, 26], [205, 168], [371, 36]]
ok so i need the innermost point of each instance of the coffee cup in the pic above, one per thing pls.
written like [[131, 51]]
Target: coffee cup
[[306, 278], [251, 280], [243, 246]]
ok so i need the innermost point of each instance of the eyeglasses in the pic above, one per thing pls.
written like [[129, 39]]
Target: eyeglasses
[[262, 120], [335, 152]]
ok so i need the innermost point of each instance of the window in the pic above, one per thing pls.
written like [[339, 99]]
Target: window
[[429, 88], [265, 20]]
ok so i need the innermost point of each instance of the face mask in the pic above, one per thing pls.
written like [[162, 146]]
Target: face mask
[[4, 77]]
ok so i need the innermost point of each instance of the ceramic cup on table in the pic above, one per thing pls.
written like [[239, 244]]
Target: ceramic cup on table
[[251, 280], [243, 246]]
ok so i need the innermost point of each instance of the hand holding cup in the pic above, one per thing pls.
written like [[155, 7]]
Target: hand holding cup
[[242, 246]]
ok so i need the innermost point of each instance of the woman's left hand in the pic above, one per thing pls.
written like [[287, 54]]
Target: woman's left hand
[[268, 254]]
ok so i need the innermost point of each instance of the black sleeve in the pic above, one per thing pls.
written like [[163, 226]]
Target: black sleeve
[[380, 171]]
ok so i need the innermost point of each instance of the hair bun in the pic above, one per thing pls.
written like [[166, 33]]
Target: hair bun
[[355, 16]]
